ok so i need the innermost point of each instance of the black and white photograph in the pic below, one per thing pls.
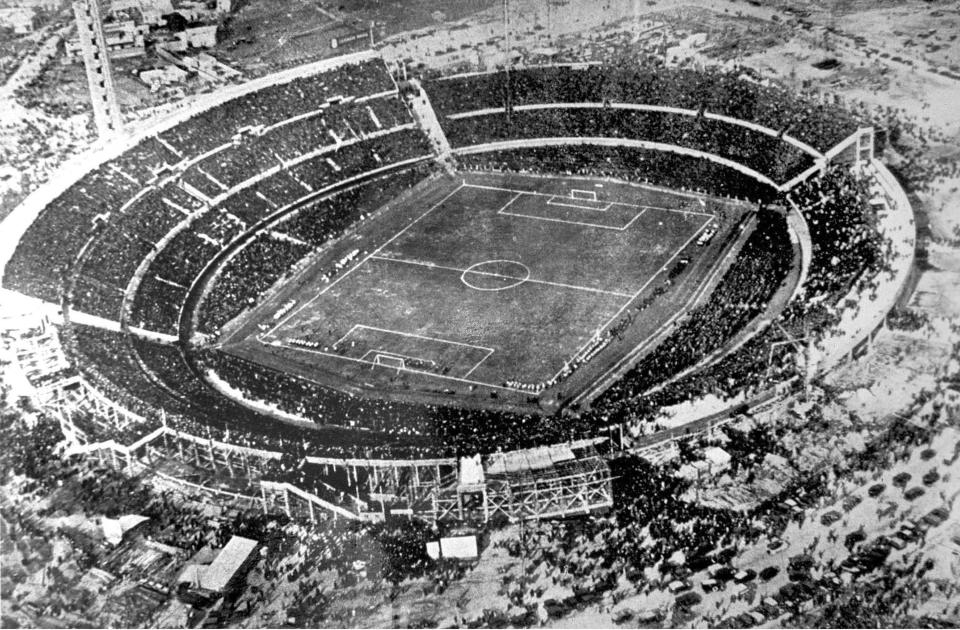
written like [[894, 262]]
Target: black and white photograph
[[479, 314]]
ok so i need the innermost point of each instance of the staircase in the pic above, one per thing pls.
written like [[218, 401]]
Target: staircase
[[427, 118]]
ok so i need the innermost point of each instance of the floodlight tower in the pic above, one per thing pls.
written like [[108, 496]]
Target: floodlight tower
[[106, 112]]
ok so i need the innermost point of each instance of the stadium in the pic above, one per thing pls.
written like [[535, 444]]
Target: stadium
[[351, 291]]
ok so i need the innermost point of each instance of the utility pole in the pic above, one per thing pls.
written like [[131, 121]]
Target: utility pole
[[103, 97]]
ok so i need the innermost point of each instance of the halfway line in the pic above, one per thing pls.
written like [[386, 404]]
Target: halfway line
[[431, 265]]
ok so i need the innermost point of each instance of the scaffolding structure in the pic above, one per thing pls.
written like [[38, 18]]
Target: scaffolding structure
[[103, 96]]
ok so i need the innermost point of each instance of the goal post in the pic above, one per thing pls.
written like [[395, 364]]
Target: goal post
[[390, 361], [583, 195]]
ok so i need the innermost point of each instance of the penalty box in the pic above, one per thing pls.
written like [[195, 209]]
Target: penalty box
[[573, 210], [411, 352]]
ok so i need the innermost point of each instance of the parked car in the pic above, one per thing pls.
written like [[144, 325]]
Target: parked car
[[678, 586], [902, 479], [853, 538], [896, 541], [724, 574], [744, 576], [851, 502], [876, 490], [936, 516], [914, 493], [776, 545], [830, 518], [768, 573]]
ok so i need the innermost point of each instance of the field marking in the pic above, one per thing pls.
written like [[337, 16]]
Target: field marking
[[404, 334], [517, 194], [473, 269], [613, 203], [458, 379], [470, 371], [640, 347], [551, 202], [488, 351], [653, 277], [358, 265], [391, 353], [431, 265], [583, 223]]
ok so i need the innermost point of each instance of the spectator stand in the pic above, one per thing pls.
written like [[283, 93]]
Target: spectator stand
[[546, 482], [613, 106], [22, 218], [872, 303], [614, 142], [460, 499], [202, 283]]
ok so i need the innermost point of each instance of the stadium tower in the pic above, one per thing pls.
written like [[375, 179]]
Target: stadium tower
[[106, 113]]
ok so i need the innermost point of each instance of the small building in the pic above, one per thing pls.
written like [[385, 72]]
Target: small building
[[199, 36], [124, 38], [23, 20], [718, 459], [157, 77], [115, 529], [223, 575], [454, 547]]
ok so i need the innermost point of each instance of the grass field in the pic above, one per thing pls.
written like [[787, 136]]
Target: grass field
[[491, 285]]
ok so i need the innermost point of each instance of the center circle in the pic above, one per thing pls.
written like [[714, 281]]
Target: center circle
[[495, 275]]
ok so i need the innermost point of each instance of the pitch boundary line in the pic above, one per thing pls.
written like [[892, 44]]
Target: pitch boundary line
[[612, 203], [404, 334], [431, 265], [488, 351], [597, 385], [617, 315], [403, 369], [358, 265]]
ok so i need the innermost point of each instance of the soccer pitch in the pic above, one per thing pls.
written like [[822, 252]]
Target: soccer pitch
[[490, 286]]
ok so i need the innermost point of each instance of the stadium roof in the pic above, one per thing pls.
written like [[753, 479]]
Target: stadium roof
[[227, 563], [529, 459]]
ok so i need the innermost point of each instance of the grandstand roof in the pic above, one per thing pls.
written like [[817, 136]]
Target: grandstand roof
[[231, 558], [529, 459]]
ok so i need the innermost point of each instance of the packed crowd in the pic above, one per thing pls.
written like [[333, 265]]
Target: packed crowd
[[743, 293], [671, 170], [763, 153], [119, 244], [418, 430], [843, 231], [109, 208], [257, 266], [718, 91], [276, 103]]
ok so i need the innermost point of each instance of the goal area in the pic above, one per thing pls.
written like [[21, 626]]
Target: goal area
[[390, 361]]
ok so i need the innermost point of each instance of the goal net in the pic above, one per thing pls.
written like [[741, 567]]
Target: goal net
[[585, 195]]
